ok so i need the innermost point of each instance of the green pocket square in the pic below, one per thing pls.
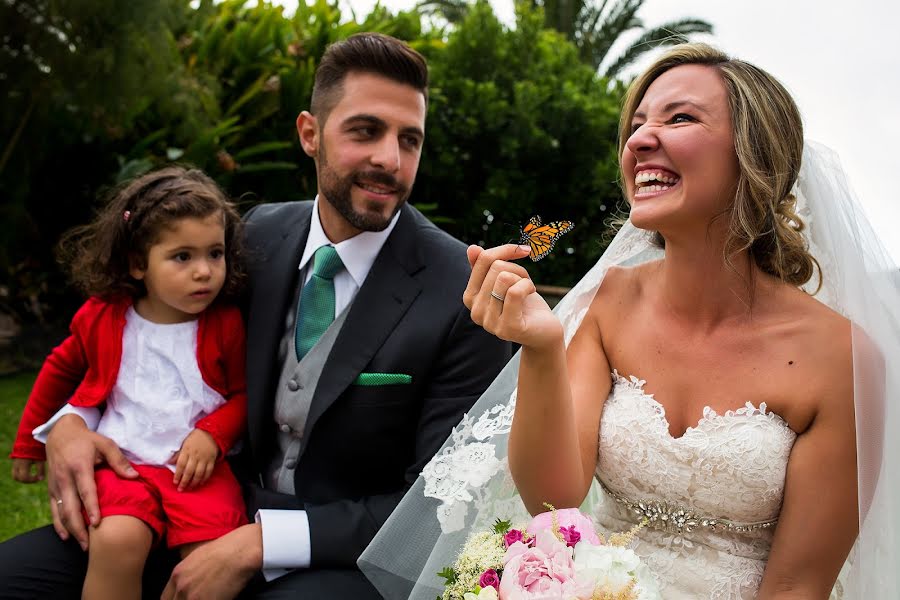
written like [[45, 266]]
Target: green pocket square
[[372, 379]]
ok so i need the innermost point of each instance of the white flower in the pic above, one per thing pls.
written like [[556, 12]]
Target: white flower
[[610, 568], [488, 593]]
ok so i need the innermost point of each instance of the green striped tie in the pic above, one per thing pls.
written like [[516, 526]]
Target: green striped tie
[[315, 311]]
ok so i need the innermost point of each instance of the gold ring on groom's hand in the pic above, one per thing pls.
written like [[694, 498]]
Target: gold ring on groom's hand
[[497, 296]]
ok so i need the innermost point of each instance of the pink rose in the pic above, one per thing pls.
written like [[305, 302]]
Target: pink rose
[[570, 519], [543, 572], [489, 579], [515, 535], [571, 536]]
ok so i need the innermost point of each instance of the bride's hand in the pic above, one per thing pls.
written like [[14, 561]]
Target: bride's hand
[[522, 316]]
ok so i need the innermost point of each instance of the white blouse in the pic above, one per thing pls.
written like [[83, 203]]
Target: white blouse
[[159, 394]]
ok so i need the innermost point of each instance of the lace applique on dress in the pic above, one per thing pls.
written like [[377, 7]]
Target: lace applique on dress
[[728, 467]]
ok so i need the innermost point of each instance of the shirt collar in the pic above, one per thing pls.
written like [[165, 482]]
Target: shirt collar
[[357, 253]]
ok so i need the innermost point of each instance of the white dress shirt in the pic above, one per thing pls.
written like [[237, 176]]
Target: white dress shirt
[[285, 533]]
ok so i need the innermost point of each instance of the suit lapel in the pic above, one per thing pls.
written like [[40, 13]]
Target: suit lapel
[[386, 295], [277, 255]]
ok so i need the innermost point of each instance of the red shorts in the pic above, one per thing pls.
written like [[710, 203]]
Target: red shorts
[[204, 513]]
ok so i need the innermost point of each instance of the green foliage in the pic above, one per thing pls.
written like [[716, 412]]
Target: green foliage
[[593, 26], [26, 505], [518, 126], [77, 77], [449, 575], [501, 526]]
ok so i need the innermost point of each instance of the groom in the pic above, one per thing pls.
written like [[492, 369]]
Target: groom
[[361, 356]]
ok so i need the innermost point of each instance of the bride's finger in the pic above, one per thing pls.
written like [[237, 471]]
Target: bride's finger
[[472, 253], [482, 266], [484, 308], [511, 322], [514, 297], [496, 297]]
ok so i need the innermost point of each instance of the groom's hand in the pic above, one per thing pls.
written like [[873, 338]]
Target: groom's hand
[[218, 569], [72, 452]]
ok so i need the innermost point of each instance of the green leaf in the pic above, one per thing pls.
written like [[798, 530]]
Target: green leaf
[[139, 148], [133, 168], [449, 574], [267, 166], [502, 526], [254, 90], [261, 148]]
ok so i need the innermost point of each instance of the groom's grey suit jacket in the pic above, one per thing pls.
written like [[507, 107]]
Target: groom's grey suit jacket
[[363, 446]]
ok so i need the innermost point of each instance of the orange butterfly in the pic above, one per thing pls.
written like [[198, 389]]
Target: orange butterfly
[[541, 238]]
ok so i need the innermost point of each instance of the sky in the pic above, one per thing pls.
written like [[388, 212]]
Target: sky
[[840, 60]]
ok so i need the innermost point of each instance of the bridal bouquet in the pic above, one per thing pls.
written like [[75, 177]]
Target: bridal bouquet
[[558, 556]]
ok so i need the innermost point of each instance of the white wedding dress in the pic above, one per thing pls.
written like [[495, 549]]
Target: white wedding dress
[[711, 497]]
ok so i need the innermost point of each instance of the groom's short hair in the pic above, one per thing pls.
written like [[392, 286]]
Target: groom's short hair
[[373, 53]]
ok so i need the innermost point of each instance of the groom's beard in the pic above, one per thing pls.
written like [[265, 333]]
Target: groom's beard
[[338, 191]]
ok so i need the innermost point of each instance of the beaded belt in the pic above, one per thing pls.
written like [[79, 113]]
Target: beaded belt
[[674, 518]]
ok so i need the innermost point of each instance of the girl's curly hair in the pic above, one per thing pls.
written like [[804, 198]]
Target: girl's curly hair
[[100, 255]]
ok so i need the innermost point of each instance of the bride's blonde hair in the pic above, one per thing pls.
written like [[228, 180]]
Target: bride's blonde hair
[[768, 141]]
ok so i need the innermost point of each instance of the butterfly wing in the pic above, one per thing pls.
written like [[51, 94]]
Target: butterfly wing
[[542, 238], [532, 224]]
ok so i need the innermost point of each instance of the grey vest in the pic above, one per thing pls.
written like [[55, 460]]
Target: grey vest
[[293, 396]]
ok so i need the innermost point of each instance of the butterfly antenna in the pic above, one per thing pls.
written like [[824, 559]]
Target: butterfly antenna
[[514, 227]]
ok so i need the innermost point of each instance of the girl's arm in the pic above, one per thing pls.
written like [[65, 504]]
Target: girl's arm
[[227, 423], [60, 375]]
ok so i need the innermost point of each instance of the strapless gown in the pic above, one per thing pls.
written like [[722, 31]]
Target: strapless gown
[[711, 497]]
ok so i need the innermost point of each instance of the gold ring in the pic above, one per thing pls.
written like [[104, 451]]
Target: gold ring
[[497, 296]]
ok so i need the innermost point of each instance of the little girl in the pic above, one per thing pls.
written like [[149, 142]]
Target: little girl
[[165, 360]]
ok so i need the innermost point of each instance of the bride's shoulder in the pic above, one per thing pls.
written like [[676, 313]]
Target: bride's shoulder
[[818, 323], [621, 290], [824, 337], [627, 283]]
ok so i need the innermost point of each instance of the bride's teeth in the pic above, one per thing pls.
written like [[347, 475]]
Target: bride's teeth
[[646, 176], [649, 189]]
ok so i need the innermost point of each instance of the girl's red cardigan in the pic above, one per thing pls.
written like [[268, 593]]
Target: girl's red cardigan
[[83, 370]]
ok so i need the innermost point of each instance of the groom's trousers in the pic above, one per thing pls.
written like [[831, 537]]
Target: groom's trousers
[[37, 564]]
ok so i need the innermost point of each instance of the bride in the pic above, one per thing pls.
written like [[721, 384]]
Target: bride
[[730, 387]]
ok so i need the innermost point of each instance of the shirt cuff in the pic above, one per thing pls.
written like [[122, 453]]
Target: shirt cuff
[[286, 545], [90, 416]]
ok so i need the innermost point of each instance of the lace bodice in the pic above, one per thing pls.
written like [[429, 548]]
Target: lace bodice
[[726, 474]]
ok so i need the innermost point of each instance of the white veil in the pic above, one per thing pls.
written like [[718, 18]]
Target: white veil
[[467, 485]]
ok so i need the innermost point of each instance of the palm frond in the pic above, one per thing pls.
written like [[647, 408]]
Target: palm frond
[[620, 18], [668, 34], [453, 11]]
